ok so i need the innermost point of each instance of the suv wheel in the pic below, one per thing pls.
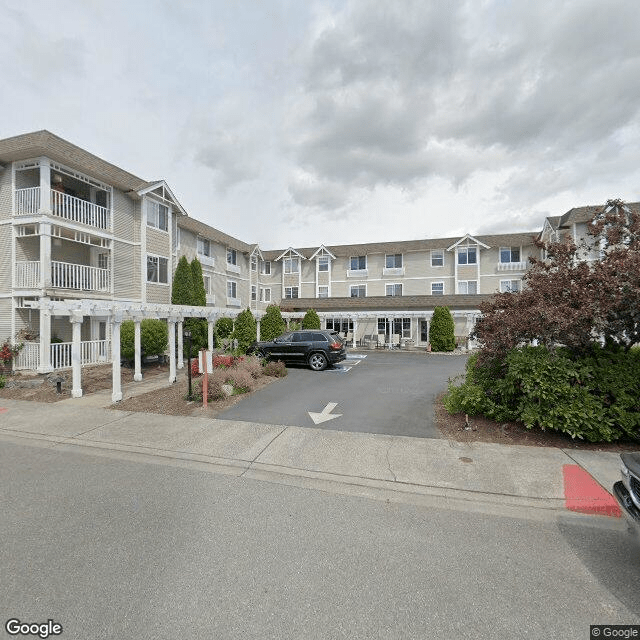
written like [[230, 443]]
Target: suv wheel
[[318, 361]]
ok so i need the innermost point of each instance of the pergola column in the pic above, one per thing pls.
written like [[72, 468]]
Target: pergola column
[[180, 345], [76, 361], [258, 318], [355, 330], [210, 341], [171, 324], [137, 345], [45, 255], [44, 365], [45, 186], [116, 392]]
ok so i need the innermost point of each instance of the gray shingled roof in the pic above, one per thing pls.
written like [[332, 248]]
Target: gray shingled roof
[[390, 303], [45, 143], [204, 230], [585, 214], [347, 250]]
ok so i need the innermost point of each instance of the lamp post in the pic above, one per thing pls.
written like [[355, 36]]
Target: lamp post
[[187, 334]]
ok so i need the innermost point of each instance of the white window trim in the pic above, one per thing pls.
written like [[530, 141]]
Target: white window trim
[[289, 262], [393, 284], [437, 251], [510, 281], [263, 297], [159, 257], [320, 286], [459, 282], [437, 282], [322, 258], [291, 297], [351, 287], [154, 205], [510, 261], [264, 271], [465, 250]]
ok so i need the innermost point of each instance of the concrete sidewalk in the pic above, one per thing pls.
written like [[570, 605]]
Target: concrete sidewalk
[[489, 473]]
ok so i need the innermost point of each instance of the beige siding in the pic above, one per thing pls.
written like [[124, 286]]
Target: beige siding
[[158, 293], [28, 248], [123, 216], [73, 252], [28, 319], [126, 270], [5, 258], [5, 319], [5, 192], [158, 242]]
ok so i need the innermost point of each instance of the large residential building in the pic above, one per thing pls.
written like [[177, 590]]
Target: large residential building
[[83, 241]]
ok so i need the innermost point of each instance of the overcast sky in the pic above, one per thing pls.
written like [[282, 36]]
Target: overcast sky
[[287, 122]]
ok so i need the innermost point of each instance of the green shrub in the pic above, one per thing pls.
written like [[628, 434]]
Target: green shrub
[[153, 338], [182, 286], [3, 381], [245, 331], [272, 325], [199, 328], [442, 330], [224, 328], [199, 294], [595, 397], [311, 320]]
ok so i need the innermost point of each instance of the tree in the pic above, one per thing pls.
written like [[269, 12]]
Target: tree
[[199, 293], [182, 286], [568, 300], [197, 326], [272, 324], [153, 338], [442, 330], [245, 331], [311, 320]]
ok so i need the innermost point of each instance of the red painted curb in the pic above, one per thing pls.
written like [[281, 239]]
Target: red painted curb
[[584, 495], [3, 409]]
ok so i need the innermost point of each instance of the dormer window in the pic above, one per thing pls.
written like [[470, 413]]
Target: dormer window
[[291, 265], [323, 263], [467, 255], [157, 215]]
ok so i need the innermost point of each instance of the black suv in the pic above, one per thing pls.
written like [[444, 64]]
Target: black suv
[[627, 490], [316, 347]]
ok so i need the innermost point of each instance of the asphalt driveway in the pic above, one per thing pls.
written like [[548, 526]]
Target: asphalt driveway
[[388, 393]]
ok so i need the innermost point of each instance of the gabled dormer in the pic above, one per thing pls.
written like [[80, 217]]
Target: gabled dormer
[[323, 258], [291, 272], [467, 264]]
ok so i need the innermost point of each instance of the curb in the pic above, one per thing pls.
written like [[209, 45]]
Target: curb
[[584, 495]]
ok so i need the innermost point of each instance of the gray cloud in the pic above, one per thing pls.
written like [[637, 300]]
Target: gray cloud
[[395, 93]]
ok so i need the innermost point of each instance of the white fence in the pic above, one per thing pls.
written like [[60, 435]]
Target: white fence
[[65, 275], [77, 210], [91, 352], [27, 274], [27, 201]]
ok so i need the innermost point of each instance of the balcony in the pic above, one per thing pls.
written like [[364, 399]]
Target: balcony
[[234, 302], [512, 266], [393, 271], [64, 275], [64, 206], [357, 273]]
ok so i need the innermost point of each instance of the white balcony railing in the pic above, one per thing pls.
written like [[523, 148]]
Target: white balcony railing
[[91, 352], [512, 266], [234, 302], [29, 356], [393, 271], [27, 201], [77, 210], [65, 275], [27, 275], [64, 206], [357, 273]]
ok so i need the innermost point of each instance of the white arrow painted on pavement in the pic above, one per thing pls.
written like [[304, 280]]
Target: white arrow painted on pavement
[[326, 414]]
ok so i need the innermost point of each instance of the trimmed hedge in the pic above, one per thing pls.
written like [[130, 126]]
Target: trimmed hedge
[[311, 320], [245, 331], [154, 338], [272, 324]]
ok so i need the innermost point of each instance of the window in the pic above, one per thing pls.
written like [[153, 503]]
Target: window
[[437, 288], [467, 255], [509, 286], [157, 215], [265, 295], [359, 291], [393, 261], [266, 268], [291, 265], [394, 290], [400, 326], [509, 254], [290, 292], [253, 291], [323, 291], [232, 289], [232, 257], [204, 248], [358, 263], [103, 261], [254, 265], [468, 286], [207, 284], [323, 263], [157, 269], [437, 258], [339, 324]]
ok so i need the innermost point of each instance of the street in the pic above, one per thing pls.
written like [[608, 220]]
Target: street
[[111, 548]]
